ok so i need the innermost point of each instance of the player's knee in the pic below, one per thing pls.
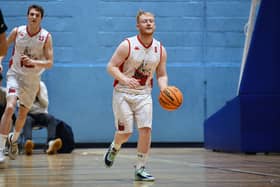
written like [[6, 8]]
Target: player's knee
[[22, 116], [10, 109], [145, 130], [124, 136]]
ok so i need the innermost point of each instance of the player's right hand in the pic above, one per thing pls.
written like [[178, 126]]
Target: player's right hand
[[132, 82], [26, 61]]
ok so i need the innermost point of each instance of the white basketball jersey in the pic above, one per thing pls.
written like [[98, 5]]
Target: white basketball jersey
[[141, 64], [30, 45]]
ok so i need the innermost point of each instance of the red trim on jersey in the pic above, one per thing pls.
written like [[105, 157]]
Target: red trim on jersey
[[152, 84], [10, 63], [16, 32], [47, 38], [31, 35], [129, 46], [121, 70], [15, 42], [13, 52], [138, 38], [160, 52], [121, 66]]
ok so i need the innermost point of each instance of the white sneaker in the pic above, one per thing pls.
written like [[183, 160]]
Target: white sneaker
[[142, 175], [110, 156], [54, 146], [2, 159], [13, 148]]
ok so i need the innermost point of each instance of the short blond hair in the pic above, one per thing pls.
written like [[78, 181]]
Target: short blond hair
[[142, 12]]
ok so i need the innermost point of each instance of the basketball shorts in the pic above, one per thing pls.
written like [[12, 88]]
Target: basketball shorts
[[24, 88], [130, 109]]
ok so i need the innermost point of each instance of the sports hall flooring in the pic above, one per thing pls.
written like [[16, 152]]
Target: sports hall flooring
[[176, 167]]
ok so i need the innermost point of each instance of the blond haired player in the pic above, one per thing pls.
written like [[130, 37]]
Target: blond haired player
[[32, 54], [133, 65]]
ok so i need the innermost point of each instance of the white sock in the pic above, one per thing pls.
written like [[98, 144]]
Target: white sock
[[3, 139], [141, 160], [116, 146], [15, 136]]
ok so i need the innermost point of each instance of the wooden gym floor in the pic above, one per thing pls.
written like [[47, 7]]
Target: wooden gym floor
[[176, 167]]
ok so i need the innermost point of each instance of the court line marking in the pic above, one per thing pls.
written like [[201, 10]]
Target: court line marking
[[196, 165], [206, 166]]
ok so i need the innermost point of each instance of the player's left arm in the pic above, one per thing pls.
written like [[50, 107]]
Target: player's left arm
[[48, 52], [161, 73]]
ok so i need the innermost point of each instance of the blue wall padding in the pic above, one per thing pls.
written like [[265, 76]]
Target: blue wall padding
[[262, 71], [247, 123], [250, 121], [222, 133]]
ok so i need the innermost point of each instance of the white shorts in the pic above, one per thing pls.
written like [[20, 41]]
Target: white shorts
[[130, 108], [25, 88]]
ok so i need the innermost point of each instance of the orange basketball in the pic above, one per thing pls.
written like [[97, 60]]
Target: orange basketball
[[170, 98]]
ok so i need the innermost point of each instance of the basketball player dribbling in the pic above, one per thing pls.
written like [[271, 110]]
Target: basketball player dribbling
[[33, 53], [133, 65]]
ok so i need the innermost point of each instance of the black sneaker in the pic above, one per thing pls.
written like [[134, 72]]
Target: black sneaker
[[142, 175], [110, 156]]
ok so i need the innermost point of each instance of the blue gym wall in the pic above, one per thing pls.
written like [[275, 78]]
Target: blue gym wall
[[204, 40]]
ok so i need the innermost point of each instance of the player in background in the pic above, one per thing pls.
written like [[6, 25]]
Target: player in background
[[32, 54], [133, 65], [39, 115]]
